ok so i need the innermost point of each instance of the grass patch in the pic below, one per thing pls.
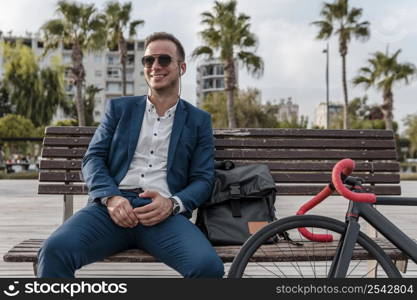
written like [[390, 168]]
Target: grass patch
[[20, 175], [408, 176]]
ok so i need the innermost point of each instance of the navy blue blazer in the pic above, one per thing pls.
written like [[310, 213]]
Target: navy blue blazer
[[190, 166]]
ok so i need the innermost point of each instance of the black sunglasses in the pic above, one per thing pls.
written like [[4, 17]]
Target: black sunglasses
[[163, 60]]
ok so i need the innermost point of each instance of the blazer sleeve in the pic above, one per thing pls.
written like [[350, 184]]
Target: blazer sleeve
[[94, 167], [201, 171]]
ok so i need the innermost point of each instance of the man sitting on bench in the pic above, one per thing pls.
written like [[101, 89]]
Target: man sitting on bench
[[148, 166]]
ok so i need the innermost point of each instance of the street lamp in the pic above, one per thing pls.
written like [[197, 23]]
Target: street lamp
[[327, 86]]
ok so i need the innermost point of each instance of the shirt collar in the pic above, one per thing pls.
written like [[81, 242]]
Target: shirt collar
[[151, 109]]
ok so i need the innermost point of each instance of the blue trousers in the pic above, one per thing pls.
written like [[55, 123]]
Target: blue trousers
[[91, 235]]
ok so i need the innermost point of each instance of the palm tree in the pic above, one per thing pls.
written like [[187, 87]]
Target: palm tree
[[117, 21], [343, 22], [229, 35], [80, 27], [383, 72]]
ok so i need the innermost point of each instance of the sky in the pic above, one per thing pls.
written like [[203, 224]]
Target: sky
[[293, 58]]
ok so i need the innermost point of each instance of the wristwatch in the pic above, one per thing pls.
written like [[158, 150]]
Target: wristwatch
[[175, 206]]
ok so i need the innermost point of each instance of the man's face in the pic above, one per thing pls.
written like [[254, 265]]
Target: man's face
[[163, 77]]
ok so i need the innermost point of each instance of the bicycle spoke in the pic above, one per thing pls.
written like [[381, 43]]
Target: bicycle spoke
[[302, 258]]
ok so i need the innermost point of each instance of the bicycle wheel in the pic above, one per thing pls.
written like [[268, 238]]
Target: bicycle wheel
[[303, 258]]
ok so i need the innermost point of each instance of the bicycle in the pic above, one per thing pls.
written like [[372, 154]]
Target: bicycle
[[333, 248]]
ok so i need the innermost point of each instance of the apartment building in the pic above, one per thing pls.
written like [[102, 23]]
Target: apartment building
[[210, 78], [103, 69], [335, 111]]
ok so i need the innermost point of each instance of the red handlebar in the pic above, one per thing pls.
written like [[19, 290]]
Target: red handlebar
[[346, 167]]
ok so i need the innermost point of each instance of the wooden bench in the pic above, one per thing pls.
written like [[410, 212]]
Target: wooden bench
[[300, 160]]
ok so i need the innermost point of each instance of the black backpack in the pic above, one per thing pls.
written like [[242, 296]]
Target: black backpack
[[242, 201]]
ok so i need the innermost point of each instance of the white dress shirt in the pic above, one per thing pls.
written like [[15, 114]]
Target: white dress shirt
[[148, 169]]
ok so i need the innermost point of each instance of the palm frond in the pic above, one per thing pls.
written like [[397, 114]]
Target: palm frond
[[133, 25], [202, 51], [253, 63], [325, 29]]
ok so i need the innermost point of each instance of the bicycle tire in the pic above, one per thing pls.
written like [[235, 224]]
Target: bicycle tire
[[245, 261]]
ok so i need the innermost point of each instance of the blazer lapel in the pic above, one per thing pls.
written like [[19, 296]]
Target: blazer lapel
[[179, 121], [136, 119]]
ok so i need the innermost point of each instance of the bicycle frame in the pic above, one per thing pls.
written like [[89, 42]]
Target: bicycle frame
[[388, 229]]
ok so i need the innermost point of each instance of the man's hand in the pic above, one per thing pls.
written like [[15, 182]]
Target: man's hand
[[155, 212], [121, 212]]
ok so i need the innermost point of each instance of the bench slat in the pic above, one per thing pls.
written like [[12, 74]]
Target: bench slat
[[268, 253], [255, 143], [274, 166], [66, 141], [376, 166], [63, 153], [305, 154], [279, 177], [60, 164], [368, 133], [79, 152], [294, 190], [293, 132], [70, 130], [304, 143]]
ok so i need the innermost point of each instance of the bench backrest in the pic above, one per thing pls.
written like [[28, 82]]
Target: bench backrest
[[300, 159]]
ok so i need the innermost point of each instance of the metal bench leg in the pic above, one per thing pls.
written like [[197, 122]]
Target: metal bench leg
[[35, 268], [402, 265], [68, 207]]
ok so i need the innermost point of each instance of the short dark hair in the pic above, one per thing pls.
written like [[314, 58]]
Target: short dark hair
[[166, 36]]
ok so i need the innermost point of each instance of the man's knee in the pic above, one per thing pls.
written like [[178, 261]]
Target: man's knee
[[208, 266], [59, 249]]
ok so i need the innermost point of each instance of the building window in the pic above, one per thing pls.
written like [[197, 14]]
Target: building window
[[130, 59], [141, 45], [208, 70], [112, 59], [130, 46], [113, 73], [208, 84], [129, 74], [129, 87], [98, 73], [113, 87], [219, 70], [219, 83], [40, 44], [97, 59]]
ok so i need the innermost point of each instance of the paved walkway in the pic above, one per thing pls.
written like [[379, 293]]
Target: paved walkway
[[24, 214]]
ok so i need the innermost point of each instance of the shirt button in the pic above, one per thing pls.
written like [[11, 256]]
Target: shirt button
[[159, 119], [155, 134], [151, 151], [142, 175], [150, 166]]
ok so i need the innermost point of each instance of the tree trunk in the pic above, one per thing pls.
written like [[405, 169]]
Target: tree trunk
[[387, 108], [230, 86], [79, 77], [345, 94], [80, 103], [123, 57]]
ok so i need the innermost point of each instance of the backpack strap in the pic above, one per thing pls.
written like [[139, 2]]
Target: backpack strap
[[235, 200]]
